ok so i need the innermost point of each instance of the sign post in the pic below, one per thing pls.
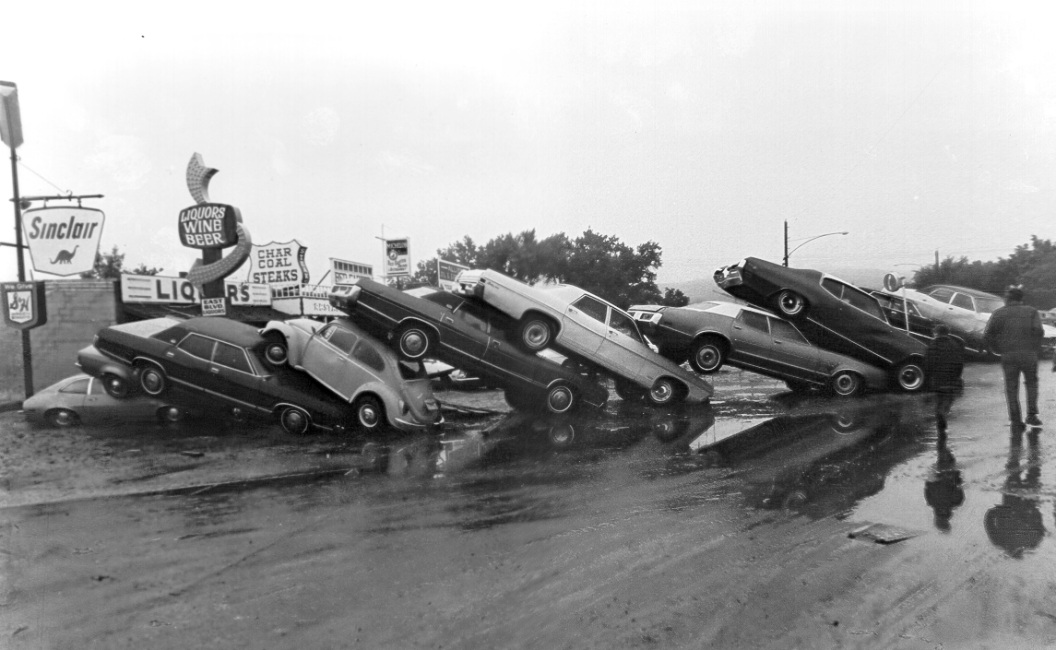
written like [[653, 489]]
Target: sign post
[[11, 135]]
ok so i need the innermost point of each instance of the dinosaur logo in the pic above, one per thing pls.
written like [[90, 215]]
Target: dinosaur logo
[[65, 256]]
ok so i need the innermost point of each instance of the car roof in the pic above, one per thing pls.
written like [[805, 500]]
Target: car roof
[[232, 331], [965, 290]]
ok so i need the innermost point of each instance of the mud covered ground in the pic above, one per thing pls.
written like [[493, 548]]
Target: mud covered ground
[[721, 526]]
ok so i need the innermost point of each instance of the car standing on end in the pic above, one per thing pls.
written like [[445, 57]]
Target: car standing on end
[[468, 335], [212, 362], [81, 399], [597, 332], [716, 333], [357, 368], [831, 313]]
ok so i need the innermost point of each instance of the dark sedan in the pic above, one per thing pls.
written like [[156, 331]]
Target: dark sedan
[[715, 333], [466, 334], [213, 362], [831, 313]]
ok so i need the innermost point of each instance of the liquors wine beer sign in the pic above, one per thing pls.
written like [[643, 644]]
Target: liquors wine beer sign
[[63, 240]]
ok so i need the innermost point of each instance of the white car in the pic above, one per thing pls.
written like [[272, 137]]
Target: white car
[[583, 325]]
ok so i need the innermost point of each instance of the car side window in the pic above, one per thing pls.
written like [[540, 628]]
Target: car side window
[[370, 357], [592, 307], [942, 295], [97, 388], [785, 331], [198, 346], [623, 324], [754, 321], [472, 317], [79, 387], [862, 301], [231, 356], [341, 338], [963, 301], [833, 287]]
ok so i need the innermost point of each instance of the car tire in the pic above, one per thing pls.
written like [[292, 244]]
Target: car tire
[[846, 384], [276, 353], [370, 415], [535, 333], [116, 387], [412, 342], [152, 381], [665, 391], [708, 355], [560, 398], [294, 420], [910, 377], [62, 418], [170, 414], [790, 304]]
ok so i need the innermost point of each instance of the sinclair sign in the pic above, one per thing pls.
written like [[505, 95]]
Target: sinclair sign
[[63, 240]]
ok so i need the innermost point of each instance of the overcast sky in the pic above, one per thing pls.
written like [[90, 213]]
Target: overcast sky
[[701, 126]]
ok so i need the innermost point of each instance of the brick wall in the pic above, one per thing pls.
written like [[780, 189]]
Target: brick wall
[[77, 309]]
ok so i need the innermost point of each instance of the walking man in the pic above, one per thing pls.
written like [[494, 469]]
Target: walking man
[[943, 365], [1014, 331]]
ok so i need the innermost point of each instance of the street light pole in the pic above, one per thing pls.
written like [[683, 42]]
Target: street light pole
[[788, 253]]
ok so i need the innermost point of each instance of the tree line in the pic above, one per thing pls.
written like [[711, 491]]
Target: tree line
[[602, 264], [1033, 266]]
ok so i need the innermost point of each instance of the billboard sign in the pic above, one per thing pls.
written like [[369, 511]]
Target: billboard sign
[[446, 272], [345, 271], [170, 290], [10, 115], [397, 257], [63, 240], [24, 304], [278, 264]]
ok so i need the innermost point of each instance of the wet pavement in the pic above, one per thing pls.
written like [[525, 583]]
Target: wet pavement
[[763, 520]]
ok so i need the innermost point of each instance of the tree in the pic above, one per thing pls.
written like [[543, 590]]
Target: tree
[[674, 298], [110, 266], [601, 264]]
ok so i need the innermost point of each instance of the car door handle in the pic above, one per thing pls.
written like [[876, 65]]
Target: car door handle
[[170, 354], [215, 371]]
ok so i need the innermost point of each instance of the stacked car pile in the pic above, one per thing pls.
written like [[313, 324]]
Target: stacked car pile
[[547, 346]]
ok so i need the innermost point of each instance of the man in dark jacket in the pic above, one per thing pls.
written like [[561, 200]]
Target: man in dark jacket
[[943, 365], [1014, 331]]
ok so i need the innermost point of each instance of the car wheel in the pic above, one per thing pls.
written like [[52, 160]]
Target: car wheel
[[663, 392], [790, 303], [708, 355], [170, 414], [294, 420], [560, 399], [628, 391], [275, 353], [152, 381], [534, 333], [412, 342], [910, 377], [846, 384], [116, 386], [62, 418], [370, 416]]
